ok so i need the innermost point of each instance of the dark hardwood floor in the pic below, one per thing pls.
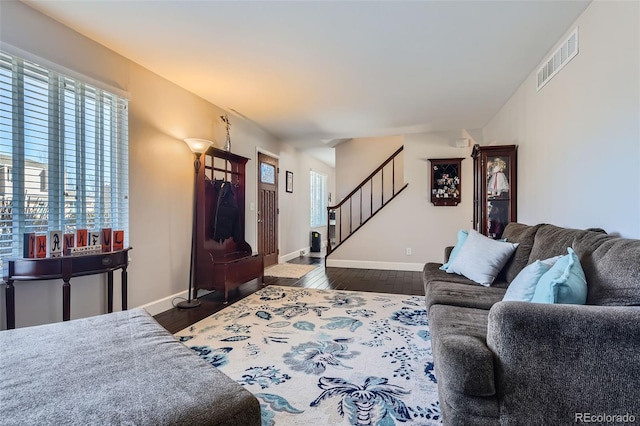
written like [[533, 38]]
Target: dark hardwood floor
[[373, 280]]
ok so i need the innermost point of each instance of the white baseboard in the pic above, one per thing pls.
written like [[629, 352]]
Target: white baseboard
[[366, 264], [164, 304], [158, 306], [293, 255]]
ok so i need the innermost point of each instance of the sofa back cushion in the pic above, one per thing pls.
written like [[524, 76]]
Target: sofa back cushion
[[524, 235], [610, 264], [551, 240], [611, 268]]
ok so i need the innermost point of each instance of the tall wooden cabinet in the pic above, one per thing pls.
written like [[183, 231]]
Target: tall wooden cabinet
[[224, 259], [495, 190]]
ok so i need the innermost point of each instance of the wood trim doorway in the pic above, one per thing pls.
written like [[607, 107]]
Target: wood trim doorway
[[267, 214]]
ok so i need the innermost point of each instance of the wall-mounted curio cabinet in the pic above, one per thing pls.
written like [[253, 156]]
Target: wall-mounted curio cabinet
[[445, 181], [494, 182]]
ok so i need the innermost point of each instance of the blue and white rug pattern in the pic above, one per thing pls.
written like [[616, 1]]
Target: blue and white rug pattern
[[326, 357]]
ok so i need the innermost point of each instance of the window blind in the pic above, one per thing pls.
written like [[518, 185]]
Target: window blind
[[63, 155], [318, 199]]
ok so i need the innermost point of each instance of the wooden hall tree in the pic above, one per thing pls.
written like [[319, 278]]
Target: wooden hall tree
[[224, 260], [495, 189]]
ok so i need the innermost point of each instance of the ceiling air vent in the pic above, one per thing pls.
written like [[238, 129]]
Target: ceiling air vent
[[556, 61]]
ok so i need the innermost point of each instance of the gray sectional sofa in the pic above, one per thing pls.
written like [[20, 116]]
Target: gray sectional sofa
[[520, 363]]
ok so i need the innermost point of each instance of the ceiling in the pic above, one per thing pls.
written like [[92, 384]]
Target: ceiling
[[313, 73]]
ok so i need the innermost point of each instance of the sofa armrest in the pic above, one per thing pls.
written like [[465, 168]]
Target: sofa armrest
[[554, 363]]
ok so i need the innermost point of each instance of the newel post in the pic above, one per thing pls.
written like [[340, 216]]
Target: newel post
[[328, 230]]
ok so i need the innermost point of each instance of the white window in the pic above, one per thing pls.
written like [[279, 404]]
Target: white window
[[318, 199], [65, 145]]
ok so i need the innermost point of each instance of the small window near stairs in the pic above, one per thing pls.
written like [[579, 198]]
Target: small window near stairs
[[318, 191]]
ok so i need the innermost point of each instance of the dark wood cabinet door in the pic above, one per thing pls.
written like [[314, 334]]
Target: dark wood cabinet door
[[495, 188]]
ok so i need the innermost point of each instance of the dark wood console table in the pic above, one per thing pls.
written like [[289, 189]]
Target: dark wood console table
[[65, 268]]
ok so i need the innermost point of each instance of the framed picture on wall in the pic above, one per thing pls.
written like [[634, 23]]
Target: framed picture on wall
[[445, 181], [289, 181]]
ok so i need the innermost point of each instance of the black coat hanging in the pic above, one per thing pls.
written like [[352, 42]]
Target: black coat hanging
[[225, 222]]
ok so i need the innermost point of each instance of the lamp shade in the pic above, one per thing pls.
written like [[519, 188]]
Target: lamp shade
[[198, 146]]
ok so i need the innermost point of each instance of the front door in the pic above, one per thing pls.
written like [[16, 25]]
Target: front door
[[268, 208]]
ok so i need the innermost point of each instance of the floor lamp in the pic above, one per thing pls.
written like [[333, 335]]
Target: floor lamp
[[198, 147]]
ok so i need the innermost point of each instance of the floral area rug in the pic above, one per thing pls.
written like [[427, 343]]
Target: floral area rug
[[319, 357]]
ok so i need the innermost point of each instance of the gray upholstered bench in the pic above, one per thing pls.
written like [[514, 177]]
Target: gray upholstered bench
[[119, 368]]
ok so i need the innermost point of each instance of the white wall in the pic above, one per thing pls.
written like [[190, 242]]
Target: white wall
[[357, 158], [579, 136], [161, 114], [578, 155], [295, 230], [410, 220]]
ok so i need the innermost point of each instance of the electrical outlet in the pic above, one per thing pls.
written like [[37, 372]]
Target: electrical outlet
[[408, 251]]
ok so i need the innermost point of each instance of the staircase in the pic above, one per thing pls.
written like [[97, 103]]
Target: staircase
[[365, 201]]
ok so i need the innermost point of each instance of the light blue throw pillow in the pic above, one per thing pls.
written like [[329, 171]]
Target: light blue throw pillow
[[564, 283], [462, 237], [524, 284], [481, 258]]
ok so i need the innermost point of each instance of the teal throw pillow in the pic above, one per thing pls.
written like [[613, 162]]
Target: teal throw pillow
[[462, 237], [564, 283], [524, 284]]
